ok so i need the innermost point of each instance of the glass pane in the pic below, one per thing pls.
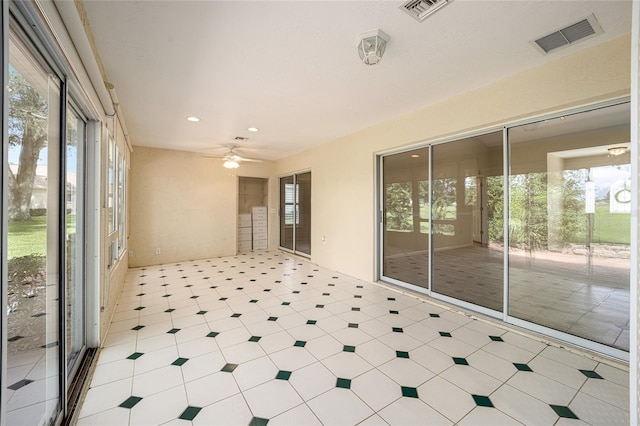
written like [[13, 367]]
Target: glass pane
[[286, 212], [569, 225], [121, 217], [74, 286], [32, 242], [111, 186], [303, 213], [406, 217], [468, 248]]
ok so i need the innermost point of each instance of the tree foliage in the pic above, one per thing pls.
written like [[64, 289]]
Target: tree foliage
[[28, 112]]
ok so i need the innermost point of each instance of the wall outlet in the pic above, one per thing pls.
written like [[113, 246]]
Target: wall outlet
[[158, 250]]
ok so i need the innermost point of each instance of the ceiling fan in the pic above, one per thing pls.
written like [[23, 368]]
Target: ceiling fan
[[232, 159]]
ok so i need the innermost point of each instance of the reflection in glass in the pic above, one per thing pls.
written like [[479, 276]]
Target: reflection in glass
[[406, 217], [303, 213], [467, 220], [32, 242], [74, 285], [569, 225], [287, 207]]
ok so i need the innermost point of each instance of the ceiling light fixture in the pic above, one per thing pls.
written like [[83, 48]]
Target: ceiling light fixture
[[618, 150], [193, 119], [371, 46], [253, 129], [230, 164], [415, 156]]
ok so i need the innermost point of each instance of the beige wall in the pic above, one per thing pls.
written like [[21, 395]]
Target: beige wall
[[344, 171], [186, 205]]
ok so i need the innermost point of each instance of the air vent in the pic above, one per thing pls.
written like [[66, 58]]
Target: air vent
[[240, 138], [568, 35], [421, 9]]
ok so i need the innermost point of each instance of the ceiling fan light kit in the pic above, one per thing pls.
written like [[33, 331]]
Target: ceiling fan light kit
[[231, 158]]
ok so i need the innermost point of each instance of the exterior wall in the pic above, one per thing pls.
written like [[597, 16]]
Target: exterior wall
[[344, 185], [186, 205]]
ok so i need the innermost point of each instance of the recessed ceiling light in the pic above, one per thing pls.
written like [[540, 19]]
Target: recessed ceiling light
[[192, 118], [415, 156], [253, 129]]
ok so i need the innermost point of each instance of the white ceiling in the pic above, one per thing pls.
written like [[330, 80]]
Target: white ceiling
[[291, 68]]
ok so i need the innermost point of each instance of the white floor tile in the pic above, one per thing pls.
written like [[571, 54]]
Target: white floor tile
[[272, 398], [543, 388], [376, 389], [209, 389], [339, 407], [159, 408], [406, 372], [412, 411], [446, 398], [346, 365], [597, 412], [522, 407], [485, 416], [255, 372], [312, 380], [299, 416]]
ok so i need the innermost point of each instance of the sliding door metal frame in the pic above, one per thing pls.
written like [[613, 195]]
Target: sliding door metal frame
[[4, 19]]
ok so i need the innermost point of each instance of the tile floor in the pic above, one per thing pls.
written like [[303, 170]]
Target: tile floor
[[269, 338]]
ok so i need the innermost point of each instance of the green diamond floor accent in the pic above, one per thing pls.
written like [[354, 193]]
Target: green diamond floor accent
[[355, 309], [348, 348], [391, 298], [255, 338], [402, 354], [434, 315], [482, 401], [253, 301], [326, 294], [357, 296], [460, 361], [312, 322], [272, 319], [445, 334], [180, 361], [283, 375], [397, 330], [135, 355], [353, 325], [409, 392], [258, 421], [190, 413], [522, 367], [201, 312], [300, 343], [173, 331], [130, 402], [296, 291], [222, 299], [228, 368], [496, 338], [236, 315], [213, 334], [563, 411], [139, 308], [343, 383], [138, 327], [591, 374], [286, 303], [319, 306], [394, 312], [169, 310]]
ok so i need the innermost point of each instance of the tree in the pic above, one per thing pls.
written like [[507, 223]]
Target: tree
[[28, 113], [399, 210]]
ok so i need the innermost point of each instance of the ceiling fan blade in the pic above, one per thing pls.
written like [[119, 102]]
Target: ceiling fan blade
[[250, 160]]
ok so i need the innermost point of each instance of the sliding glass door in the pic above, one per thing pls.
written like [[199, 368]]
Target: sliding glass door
[[295, 213], [566, 241], [406, 217], [33, 241], [467, 233]]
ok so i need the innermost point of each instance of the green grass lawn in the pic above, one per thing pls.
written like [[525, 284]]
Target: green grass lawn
[[26, 238], [612, 228], [30, 237]]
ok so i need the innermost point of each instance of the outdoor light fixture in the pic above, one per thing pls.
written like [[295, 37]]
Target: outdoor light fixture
[[230, 164], [371, 46], [618, 150]]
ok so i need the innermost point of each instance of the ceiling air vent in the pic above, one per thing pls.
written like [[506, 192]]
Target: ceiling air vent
[[567, 36], [421, 9]]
